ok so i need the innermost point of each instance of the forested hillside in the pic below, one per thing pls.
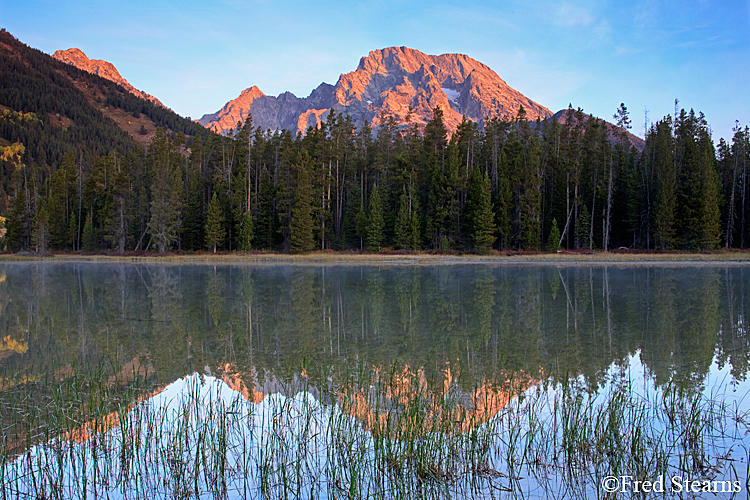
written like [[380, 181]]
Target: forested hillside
[[79, 182], [52, 108]]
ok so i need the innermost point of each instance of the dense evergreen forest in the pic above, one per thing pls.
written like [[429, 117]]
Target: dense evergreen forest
[[575, 182]]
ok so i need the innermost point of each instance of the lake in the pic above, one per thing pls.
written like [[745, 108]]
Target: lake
[[452, 381]]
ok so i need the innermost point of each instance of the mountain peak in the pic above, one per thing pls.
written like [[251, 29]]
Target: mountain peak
[[78, 58], [233, 112], [395, 81]]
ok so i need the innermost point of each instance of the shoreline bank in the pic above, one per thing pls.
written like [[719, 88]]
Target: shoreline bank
[[733, 258]]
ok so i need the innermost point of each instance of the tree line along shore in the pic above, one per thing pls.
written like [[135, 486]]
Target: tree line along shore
[[577, 183]]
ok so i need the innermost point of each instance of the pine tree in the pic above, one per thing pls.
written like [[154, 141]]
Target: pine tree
[[19, 222], [194, 220], [166, 194], [504, 207], [140, 215], [698, 214], [583, 228], [553, 242], [435, 133], [89, 235], [531, 194], [214, 224], [72, 235], [480, 212], [415, 238], [710, 200], [403, 223], [665, 203], [116, 225], [301, 224], [266, 220], [622, 117], [246, 232], [360, 226], [375, 223], [407, 233], [349, 210], [40, 234], [56, 209]]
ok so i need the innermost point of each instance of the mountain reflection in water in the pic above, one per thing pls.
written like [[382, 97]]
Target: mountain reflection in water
[[463, 341]]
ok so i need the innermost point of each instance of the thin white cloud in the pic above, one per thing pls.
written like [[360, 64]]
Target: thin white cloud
[[573, 16], [626, 50], [713, 41]]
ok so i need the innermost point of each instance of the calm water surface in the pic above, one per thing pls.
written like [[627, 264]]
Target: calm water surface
[[270, 323], [263, 329]]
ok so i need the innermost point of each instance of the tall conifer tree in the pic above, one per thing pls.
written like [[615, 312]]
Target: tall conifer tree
[[214, 224], [166, 194], [375, 222], [301, 224], [480, 211]]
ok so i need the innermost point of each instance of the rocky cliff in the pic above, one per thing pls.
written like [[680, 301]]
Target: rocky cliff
[[397, 81], [77, 58]]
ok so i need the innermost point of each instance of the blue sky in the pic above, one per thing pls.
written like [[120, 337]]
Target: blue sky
[[196, 56]]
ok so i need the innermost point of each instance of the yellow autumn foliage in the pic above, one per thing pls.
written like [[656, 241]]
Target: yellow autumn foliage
[[13, 154], [19, 116], [9, 344], [7, 383]]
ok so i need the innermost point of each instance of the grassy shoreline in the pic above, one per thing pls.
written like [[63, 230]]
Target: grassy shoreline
[[733, 258]]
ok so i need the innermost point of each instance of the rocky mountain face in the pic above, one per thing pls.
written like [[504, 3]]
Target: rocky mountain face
[[396, 81], [233, 112], [77, 58]]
